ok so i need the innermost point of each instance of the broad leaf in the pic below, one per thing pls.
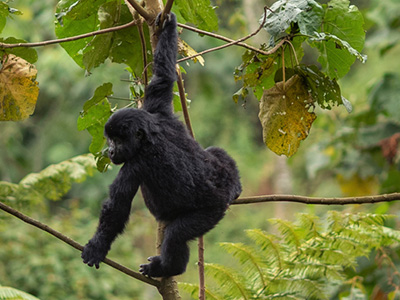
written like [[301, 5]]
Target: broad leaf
[[123, 46], [342, 28], [198, 12], [285, 117], [51, 183], [18, 88], [94, 116], [323, 90], [5, 12], [29, 54], [282, 14]]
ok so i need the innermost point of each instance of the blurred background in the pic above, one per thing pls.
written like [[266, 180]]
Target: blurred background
[[343, 155]]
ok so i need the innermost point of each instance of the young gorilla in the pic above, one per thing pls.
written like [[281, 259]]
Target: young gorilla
[[186, 187]]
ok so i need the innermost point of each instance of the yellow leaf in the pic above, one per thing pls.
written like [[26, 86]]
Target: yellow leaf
[[186, 50], [285, 117], [18, 88]]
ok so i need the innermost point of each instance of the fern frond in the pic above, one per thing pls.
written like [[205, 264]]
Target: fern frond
[[232, 281], [390, 236], [269, 244], [311, 223], [291, 233], [301, 287], [193, 290], [9, 293], [284, 296], [308, 267], [248, 258], [307, 262]]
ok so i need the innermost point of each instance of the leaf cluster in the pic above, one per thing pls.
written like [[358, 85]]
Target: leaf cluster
[[51, 183], [306, 261], [335, 30]]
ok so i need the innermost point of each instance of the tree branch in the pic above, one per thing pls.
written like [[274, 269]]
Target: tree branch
[[76, 245], [68, 39], [237, 42], [141, 11], [316, 200], [223, 38], [200, 244], [168, 7]]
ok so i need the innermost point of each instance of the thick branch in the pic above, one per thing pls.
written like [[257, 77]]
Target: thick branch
[[76, 245], [168, 7], [315, 200], [68, 39]]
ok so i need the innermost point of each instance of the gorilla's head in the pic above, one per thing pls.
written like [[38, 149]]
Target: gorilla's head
[[127, 131]]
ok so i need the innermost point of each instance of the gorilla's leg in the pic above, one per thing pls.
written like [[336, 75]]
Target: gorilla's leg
[[174, 250]]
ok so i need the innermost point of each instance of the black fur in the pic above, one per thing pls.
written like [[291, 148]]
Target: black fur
[[183, 185]]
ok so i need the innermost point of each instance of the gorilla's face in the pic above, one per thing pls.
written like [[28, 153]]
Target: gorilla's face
[[125, 133]]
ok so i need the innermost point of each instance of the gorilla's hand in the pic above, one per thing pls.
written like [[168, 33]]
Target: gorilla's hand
[[93, 254]]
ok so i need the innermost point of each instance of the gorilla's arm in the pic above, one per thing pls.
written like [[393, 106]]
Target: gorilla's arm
[[114, 216], [158, 96]]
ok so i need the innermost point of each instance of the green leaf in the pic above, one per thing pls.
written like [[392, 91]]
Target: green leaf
[[4, 12], [312, 257], [385, 96], [9, 293], [342, 28], [258, 71], [232, 281], [29, 54], [323, 90], [84, 16], [126, 47], [319, 37], [75, 18], [51, 183], [96, 112], [193, 290], [198, 12], [282, 14], [98, 49]]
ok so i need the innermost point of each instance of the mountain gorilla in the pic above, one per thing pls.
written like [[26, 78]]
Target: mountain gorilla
[[184, 186]]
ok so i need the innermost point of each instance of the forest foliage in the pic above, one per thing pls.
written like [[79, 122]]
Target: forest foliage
[[313, 257]]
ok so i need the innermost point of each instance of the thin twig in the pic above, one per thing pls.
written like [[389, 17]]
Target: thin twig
[[144, 52], [316, 200], [223, 38], [76, 245], [229, 44], [200, 243], [182, 97], [68, 39]]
